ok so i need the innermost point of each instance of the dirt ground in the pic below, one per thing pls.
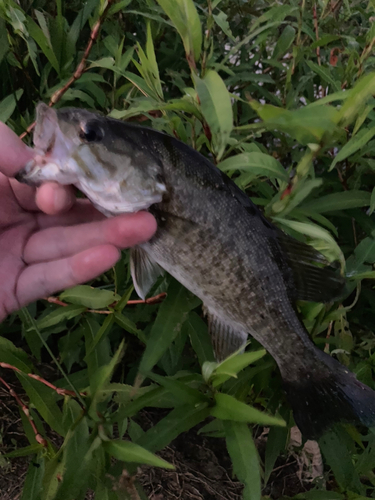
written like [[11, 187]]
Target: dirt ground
[[203, 467]]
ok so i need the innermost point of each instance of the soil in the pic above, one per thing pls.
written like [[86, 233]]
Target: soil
[[203, 467]]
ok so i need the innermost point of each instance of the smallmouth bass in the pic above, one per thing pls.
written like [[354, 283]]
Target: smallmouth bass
[[214, 241]]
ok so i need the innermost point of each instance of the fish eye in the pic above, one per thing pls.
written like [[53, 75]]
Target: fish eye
[[91, 132]]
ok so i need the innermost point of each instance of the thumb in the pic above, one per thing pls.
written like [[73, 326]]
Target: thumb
[[14, 153]]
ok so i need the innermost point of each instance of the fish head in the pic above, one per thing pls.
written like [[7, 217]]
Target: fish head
[[74, 146]]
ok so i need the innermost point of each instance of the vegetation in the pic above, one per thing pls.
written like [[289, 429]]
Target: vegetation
[[280, 97]]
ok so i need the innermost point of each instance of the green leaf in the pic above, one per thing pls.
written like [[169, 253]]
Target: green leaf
[[232, 365], [99, 356], [37, 34], [334, 446], [306, 125], [216, 108], [59, 315], [179, 420], [151, 398], [102, 333], [200, 338], [154, 70], [24, 452], [325, 75], [14, 356], [103, 375], [229, 408], [128, 325], [362, 91], [43, 398], [244, 456], [4, 44], [122, 4], [276, 442], [284, 42], [354, 144], [305, 186], [276, 13], [324, 40], [173, 312], [78, 463], [343, 200], [132, 452], [184, 16], [221, 19], [257, 163], [34, 477], [8, 105], [87, 296], [105, 62], [363, 253], [180, 390]]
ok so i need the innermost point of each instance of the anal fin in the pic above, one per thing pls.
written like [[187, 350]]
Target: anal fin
[[225, 339], [144, 271]]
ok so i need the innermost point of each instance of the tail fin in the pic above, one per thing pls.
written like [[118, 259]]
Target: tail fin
[[335, 395]]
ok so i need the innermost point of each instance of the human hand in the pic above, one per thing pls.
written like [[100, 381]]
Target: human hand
[[50, 241]]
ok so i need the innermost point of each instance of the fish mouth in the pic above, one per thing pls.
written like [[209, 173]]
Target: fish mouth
[[29, 174]]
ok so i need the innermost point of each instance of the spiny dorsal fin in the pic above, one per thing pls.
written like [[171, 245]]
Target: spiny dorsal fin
[[311, 280], [225, 339], [144, 271]]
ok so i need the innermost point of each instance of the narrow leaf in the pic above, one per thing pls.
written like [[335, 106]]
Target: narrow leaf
[[229, 408], [184, 16], [216, 107], [59, 315], [354, 144], [132, 452], [172, 314], [179, 420], [339, 201], [8, 105], [244, 456], [94, 298], [257, 163]]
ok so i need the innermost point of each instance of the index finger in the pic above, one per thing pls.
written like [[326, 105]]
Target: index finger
[[14, 153]]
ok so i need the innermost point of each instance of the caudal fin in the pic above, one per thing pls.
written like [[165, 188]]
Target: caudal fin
[[333, 395]]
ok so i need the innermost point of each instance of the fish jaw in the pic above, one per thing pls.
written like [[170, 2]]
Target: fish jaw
[[107, 195], [43, 169]]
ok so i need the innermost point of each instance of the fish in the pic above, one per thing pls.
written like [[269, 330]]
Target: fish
[[216, 242]]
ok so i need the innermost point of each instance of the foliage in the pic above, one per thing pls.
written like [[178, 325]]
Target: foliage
[[280, 97]]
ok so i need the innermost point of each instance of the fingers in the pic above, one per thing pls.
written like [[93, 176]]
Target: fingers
[[52, 198], [25, 195], [81, 212], [43, 279], [14, 153], [58, 242]]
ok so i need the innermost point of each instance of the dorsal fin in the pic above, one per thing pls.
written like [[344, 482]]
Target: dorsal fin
[[312, 279]]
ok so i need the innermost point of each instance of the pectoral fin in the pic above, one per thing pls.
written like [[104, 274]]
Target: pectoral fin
[[144, 271], [225, 339]]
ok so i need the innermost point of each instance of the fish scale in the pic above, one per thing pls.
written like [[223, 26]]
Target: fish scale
[[213, 240]]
